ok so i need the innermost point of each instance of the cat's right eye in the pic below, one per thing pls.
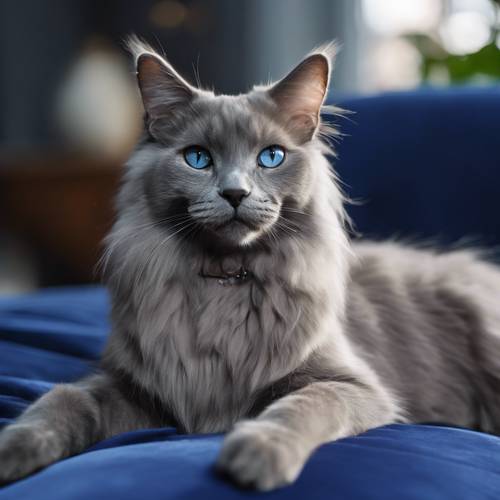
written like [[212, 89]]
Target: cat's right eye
[[197, 157]]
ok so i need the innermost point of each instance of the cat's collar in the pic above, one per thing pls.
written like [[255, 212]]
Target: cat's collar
[[230, 278]]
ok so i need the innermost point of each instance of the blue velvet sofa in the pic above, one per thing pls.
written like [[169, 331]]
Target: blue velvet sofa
[[421, 165]]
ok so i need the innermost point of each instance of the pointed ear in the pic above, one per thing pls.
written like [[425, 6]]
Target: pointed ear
[[300, 95], [163, 90]]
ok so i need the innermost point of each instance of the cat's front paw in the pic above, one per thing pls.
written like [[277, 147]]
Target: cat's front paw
[[260, 455], [25, 449]]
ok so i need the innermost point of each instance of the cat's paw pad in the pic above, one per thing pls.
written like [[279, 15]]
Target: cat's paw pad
[[260, 456], [25, 449]]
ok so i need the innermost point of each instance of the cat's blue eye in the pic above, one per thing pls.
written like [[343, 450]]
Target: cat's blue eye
[[197, 157], [271, 157]]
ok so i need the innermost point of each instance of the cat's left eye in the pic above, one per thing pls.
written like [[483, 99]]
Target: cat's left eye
[[271, 157], [197, 157]]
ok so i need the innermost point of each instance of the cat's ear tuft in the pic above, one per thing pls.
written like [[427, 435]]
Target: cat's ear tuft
[[162, 88], [300, 95]]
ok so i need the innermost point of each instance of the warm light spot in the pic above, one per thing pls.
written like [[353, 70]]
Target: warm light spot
[[392, 17], [485, 7], [465, 32], [168, 14], [395, 65]]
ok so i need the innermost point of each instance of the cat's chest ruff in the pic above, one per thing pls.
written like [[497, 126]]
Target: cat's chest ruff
[[240, 326], [212, 347], [232, 352]]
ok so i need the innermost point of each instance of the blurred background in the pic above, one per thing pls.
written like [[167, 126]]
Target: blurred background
[[71, 113]]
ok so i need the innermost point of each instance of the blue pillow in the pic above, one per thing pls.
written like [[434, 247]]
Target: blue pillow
[[424, 164]]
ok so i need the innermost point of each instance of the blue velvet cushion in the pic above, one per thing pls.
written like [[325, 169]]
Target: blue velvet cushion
[[425, 164]]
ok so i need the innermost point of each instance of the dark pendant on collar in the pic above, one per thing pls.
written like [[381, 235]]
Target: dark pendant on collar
[[237, 278]]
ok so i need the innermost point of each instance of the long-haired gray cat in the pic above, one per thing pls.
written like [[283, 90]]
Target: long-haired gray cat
[[239, 304]]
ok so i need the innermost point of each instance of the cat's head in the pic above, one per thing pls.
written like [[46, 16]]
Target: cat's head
[[230, 165]]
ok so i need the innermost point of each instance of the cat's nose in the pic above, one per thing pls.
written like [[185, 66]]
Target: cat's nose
[[234, 195]]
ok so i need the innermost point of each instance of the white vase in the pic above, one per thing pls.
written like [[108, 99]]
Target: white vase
[[98, 107]]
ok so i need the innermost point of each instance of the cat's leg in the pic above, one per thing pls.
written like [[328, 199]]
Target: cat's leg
[[271, 450], [63, 422], [488, 360]]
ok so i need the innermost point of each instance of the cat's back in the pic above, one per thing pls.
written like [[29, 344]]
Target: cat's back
[[404, 269], [424, 320]]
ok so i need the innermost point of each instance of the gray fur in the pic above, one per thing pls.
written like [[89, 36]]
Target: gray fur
[[325, 340]]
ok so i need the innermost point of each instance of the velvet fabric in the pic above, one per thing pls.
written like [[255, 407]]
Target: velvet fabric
[[424, 165]]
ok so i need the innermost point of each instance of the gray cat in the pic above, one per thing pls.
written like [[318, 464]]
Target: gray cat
[[239, 305]]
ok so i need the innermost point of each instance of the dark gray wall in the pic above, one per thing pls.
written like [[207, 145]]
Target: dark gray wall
[[240, 42]]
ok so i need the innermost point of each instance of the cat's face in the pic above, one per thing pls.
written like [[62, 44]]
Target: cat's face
[[230, 164]]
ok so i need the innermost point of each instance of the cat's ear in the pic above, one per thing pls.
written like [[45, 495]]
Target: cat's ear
[[162, 89], [300, 95]]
